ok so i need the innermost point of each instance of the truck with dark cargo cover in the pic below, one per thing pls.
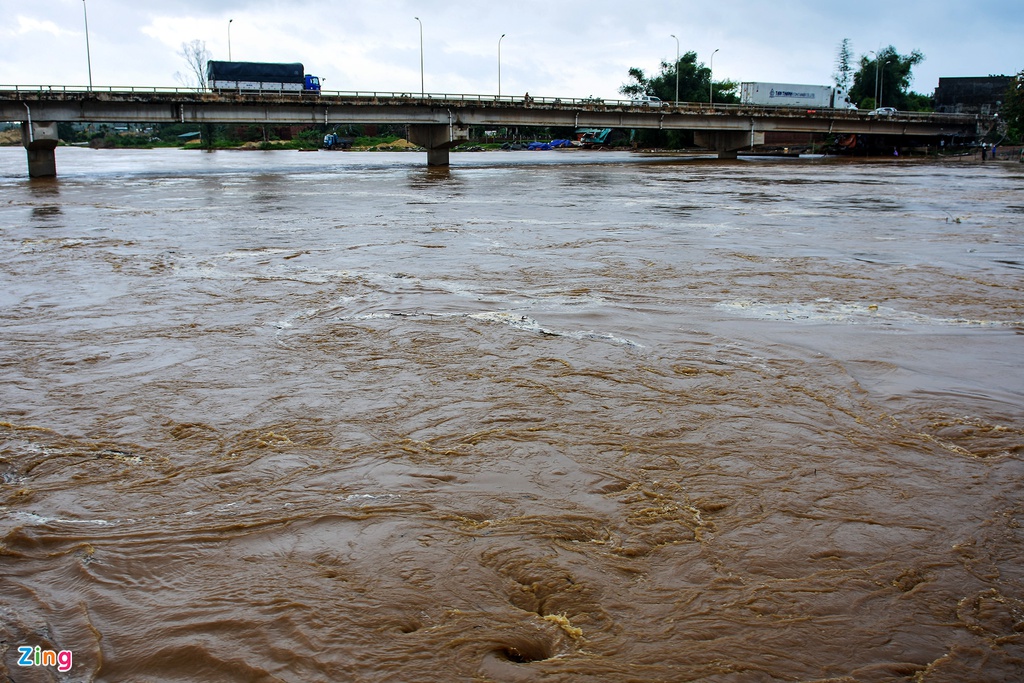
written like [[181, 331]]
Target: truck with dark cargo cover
[[260, 77]]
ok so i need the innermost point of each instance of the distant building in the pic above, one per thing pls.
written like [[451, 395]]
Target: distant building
[[972, 94]]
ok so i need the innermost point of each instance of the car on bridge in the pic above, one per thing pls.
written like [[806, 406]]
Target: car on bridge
[[883, 111], [646, 101]]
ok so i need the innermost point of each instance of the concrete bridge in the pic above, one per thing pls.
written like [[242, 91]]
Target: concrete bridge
[[440, 122]]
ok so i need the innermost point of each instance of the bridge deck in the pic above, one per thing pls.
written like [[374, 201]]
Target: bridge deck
[[165, 105]]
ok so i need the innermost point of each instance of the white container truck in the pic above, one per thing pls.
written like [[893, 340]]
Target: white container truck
[[795, 95]]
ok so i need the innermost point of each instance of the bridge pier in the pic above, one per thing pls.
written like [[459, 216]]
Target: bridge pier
[[727, 143], [438, 139], [40, 139]]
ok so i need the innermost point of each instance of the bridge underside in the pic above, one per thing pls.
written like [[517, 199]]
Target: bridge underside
[[438, 125], [727, 143], [437, 139]]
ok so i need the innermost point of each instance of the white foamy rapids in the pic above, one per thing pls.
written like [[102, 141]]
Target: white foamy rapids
[[33, 518], [512, 319], [829, 311], [527, 323]]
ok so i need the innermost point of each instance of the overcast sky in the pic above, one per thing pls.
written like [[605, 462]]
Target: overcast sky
[[564, 48]]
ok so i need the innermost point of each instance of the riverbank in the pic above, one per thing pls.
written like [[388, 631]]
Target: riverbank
[[1009, 153], [10, 137]]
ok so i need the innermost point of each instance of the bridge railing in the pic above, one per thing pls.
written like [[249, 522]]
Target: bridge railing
[[360, 94], [80, 89], [499, 100]]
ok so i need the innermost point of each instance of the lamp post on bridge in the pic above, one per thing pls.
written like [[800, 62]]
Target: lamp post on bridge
[[880, 81], [229, 39], [876, 93], [423, 90], [499, 64], [711, 79], [672, 35], [88, 55]]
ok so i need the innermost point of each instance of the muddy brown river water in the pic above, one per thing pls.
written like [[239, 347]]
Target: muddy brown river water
[[559, 416]]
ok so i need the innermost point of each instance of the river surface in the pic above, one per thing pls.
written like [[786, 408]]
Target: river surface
[[559, 416]]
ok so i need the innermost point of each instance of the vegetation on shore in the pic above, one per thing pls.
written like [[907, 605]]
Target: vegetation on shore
[[194, 136], [108, 136]]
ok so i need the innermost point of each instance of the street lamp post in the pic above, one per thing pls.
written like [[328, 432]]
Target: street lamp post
[[229, 39], [876, 93], [880, 81], [711, 80], [499, 64], [423, 90], [88, 55], [672, 35]]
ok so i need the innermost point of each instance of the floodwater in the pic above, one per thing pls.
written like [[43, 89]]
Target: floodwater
[[560, 416]]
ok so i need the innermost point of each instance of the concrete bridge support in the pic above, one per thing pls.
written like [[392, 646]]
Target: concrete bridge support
[[40, 139], [438, 139], [727, 143]]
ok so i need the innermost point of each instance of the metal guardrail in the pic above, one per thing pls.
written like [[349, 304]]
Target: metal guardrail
[[512, 100], [305, 94]]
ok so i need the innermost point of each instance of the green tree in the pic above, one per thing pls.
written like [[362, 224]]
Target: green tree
[[918, 102], [844, 65], [694, 82], [1012, 111], [885, 80]]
